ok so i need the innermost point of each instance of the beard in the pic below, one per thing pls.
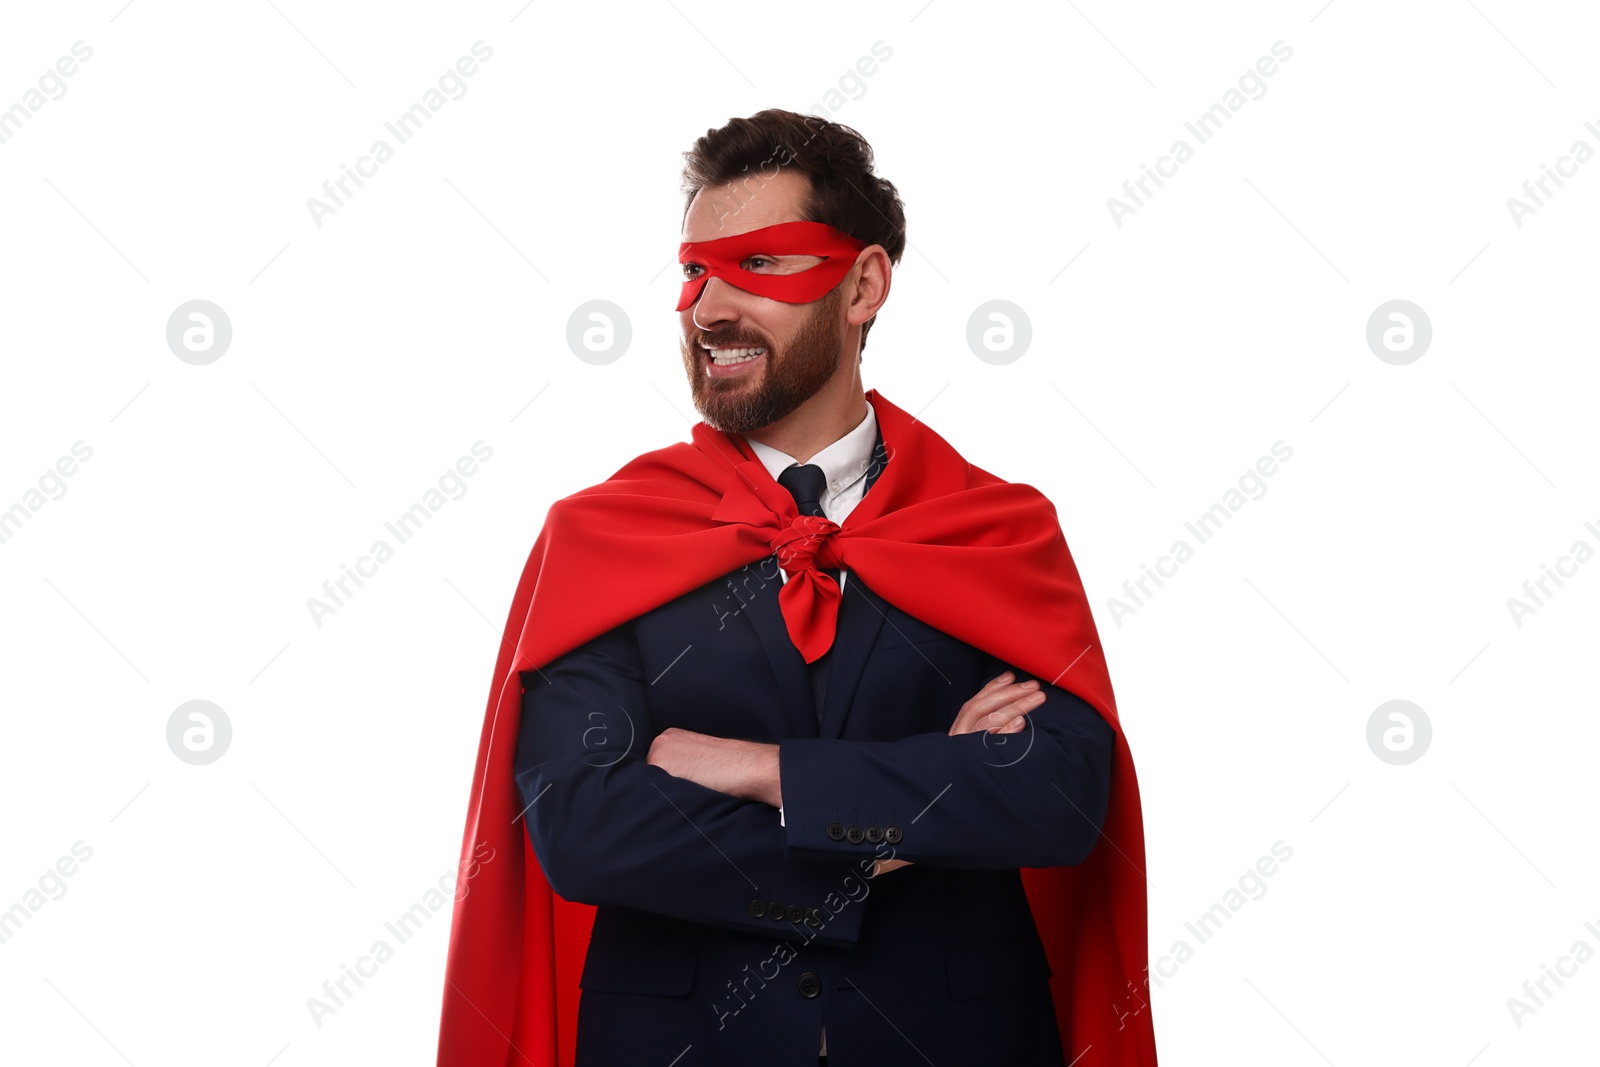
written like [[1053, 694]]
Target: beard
[[794, 373]]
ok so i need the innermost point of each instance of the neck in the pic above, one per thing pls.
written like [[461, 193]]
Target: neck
[[836, 409]]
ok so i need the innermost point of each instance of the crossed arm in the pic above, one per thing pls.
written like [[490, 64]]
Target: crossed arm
[[610, 828], [682, 823], [1023, 777]]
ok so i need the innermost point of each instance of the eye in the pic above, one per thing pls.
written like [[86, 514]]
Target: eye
[[688, 268], [784, 264]]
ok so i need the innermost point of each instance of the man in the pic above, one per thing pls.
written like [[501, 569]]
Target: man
[[793, 810]]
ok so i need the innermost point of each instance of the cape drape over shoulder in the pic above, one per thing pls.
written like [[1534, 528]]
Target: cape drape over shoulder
[[979, 558]]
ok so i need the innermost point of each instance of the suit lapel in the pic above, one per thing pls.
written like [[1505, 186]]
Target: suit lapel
[[860, 619], [788, 666]]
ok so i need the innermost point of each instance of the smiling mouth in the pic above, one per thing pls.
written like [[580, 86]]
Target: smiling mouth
[[729, 357]]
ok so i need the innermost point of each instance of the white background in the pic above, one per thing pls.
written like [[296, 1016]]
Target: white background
[[429, 312]]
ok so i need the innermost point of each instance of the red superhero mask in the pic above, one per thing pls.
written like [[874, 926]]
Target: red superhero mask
[[722, 257]]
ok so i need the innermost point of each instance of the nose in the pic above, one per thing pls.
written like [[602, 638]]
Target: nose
[[717, 303]]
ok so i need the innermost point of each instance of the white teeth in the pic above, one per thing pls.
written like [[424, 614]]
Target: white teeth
[[727, 356]]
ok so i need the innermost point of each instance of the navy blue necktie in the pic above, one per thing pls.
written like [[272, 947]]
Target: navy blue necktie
[[806, 484]]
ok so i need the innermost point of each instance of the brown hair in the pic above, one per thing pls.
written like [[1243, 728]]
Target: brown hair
[[836, 159]]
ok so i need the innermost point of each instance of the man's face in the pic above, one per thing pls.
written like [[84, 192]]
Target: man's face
[[798, 346]]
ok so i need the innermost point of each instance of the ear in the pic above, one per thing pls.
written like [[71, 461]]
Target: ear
[[867, 284]]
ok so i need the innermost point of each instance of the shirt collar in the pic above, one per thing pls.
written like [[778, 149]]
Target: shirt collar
[[844, 462]]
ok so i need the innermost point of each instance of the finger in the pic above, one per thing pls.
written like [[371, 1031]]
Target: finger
[[1003, 678], [1005, 720], [1011, 713], [988, 700], [980, 716], [1012, 718], [975, 714]]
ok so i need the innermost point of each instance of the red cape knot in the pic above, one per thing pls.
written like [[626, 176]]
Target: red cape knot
[[798, 543]]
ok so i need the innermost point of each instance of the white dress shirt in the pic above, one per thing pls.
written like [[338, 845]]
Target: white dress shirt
[[845, 463]]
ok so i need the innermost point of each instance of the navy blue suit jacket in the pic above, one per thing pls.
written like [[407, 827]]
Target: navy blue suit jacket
[[722, 937]]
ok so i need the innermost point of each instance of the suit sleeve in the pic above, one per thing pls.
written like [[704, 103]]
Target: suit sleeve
[[610, 828], [1035, 798]]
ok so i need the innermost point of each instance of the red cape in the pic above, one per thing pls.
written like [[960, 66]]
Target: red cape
[[982, 559]]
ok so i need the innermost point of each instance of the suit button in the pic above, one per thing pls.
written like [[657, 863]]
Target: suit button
[[836, 830], [758, 908], [874, 834], [794, 913], [855, 834], [891, 834], [809, 985], [813, 916], [775, 910]]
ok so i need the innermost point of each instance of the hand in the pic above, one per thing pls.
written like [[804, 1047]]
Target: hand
[[998, 707], [744, 769]]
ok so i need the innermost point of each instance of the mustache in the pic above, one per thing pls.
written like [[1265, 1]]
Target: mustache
[[731, 340]]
